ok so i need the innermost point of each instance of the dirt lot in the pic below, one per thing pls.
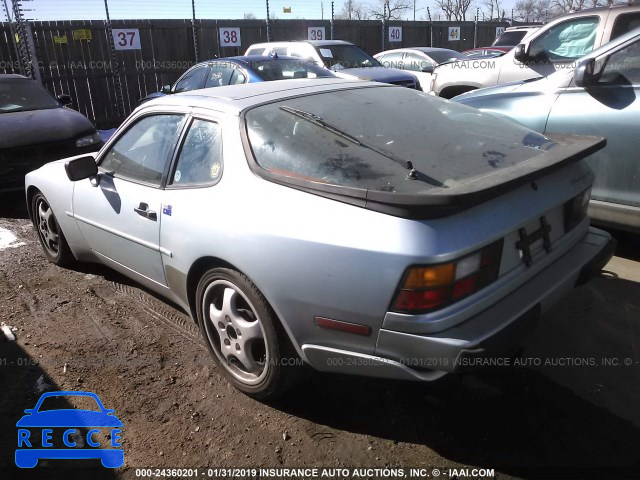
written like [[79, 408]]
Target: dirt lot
[[572, 412]]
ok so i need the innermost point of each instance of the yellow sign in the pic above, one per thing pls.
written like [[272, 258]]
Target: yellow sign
[[286, 9], [60, 40], [82, 34]]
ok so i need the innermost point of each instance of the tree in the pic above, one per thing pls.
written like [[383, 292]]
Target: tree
[[492, 9], [525, 10], [454, 9], [352, 10], [390, 9], [249, 16]]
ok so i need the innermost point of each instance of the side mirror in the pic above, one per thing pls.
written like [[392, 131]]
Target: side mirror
[[81, 168], [520, 53], [166, 89], [29, 411], [428, 69], [64, 99], [583, 75]]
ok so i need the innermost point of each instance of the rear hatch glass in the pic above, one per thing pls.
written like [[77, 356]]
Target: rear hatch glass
[[399, 146]]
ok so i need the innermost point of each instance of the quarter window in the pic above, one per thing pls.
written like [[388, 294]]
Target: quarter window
[[566, 41], [199, 161], [625, 23], [237, 77], [142, 152]]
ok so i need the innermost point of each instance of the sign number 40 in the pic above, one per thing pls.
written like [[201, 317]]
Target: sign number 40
[[395, 34]]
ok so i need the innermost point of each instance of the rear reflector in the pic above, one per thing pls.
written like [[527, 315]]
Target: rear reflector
[[347, 327]]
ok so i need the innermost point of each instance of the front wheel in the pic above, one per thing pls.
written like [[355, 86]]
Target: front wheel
[[244, 335], [51, 238]]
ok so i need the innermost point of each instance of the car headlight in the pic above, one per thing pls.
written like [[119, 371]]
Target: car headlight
[[88, 140]]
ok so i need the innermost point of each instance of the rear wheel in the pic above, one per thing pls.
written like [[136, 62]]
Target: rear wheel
[[49, 233], [244, 335]]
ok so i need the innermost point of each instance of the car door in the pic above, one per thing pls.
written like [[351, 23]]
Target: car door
[[611, 109], [551, 50], [119, 211]]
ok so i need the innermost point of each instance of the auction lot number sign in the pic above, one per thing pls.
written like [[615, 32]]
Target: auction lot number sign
[[126, 39], [230, 37], [316, 33], [395, 34]]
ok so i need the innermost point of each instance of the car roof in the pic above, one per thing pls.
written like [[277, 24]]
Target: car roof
[[250, 58], [426, 50], [6, 76], [233, 99], [315, 43]]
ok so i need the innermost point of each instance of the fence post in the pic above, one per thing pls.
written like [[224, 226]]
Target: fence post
[[35, 66], [384, 15], [475, 29], [332, 20], [268, 24], [194, 31], [21, 41], [114, 67]]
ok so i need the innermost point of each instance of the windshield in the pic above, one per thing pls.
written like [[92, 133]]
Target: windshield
[[509, 39], [445, 56], [21, 94], [346, 56], [285, 69], [385, 139]]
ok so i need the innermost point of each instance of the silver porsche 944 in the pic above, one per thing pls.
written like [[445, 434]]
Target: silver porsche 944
[[346, 226]]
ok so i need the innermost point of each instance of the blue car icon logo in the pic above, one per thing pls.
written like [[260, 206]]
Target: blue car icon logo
[[76, 433]]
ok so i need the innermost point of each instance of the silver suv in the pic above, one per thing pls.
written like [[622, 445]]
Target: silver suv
[[345, 59], [555, 46]]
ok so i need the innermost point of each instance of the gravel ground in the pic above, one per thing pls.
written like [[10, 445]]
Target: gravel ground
[[92, 329]]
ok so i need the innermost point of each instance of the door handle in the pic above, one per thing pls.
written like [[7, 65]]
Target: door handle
[[143, 210]]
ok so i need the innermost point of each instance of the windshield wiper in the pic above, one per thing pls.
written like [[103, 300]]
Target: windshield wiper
[[317, 120]]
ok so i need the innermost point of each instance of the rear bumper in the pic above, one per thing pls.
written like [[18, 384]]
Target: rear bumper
[[496, 333]]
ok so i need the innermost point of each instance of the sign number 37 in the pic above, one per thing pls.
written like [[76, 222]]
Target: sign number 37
[[126, 39]]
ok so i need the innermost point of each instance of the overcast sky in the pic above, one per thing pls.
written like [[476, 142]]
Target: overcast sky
[[136, 9]]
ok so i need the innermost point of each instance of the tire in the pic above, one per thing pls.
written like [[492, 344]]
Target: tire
[[244, 335], [51, 238]]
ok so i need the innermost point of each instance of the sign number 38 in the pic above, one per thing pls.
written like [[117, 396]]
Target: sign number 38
[[230, 37]]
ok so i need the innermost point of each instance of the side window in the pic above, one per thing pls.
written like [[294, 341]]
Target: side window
[[219, 75], [299, 51], [192, 80], [142, 152], [625, 23], [566, 41], [392, 60], [278, 50], [623, 67], [200, 158], [415, 63], [237, 77]]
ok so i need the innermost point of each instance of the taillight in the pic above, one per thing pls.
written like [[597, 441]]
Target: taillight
[[575, 210], [431, 287]]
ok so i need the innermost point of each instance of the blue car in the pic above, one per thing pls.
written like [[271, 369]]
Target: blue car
[[35, 433], [239, 70]]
